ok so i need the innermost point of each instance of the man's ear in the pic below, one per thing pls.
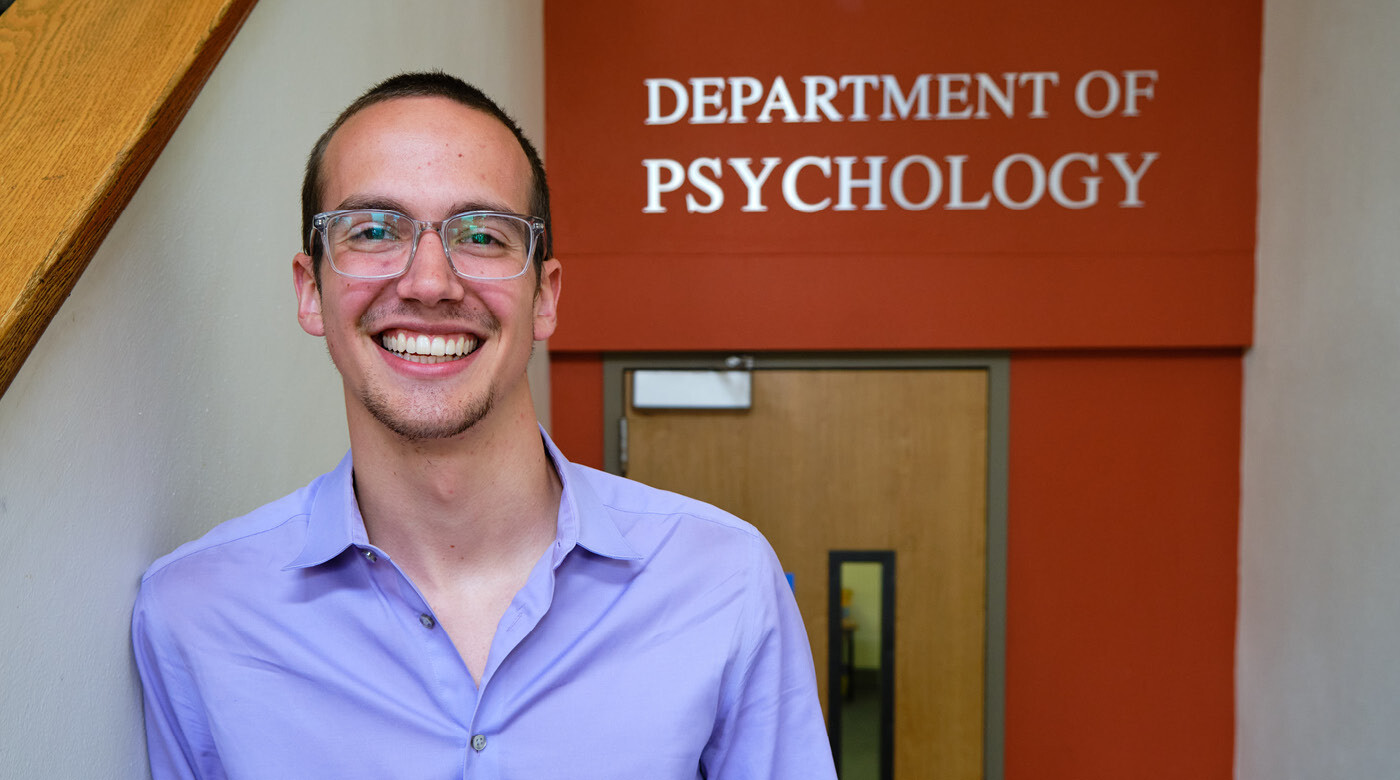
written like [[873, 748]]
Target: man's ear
[[308, 295], [547, 299]]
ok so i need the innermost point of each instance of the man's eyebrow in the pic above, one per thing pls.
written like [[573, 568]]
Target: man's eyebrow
[[481, 205], [385, 203], [376, 202]]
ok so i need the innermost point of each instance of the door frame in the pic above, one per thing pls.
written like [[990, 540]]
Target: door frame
[[998, 369]]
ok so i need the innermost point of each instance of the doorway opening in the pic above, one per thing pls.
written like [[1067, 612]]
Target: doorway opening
[[860, 667]]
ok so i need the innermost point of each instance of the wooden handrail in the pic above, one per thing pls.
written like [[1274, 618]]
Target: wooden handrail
[[90, 92]]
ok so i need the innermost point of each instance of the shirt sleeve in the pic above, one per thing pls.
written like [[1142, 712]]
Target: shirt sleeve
[[770, 723], [177, 736]]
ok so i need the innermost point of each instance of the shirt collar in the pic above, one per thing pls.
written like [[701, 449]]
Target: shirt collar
[[583, 518], [335, 522]]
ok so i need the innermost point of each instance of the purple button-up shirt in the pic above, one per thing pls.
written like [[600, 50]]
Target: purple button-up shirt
[[656, 638]]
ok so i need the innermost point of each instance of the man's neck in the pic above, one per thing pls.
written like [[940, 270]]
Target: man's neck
[[483, 504]]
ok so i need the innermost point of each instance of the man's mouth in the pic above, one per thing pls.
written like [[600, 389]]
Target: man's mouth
[[422, 348]]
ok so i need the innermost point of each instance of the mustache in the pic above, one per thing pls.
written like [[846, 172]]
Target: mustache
[[480, 321]]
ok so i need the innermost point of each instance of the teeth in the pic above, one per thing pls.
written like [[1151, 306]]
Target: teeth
[[426, 349], [429, 359]]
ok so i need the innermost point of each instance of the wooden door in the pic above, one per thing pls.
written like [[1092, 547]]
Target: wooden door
[[861, 460]]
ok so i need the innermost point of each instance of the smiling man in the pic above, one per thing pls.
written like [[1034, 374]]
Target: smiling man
[[456, 599]]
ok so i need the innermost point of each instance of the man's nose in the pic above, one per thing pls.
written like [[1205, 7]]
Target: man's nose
[[430, 277]]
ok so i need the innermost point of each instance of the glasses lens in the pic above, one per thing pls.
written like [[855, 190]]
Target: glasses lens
[[489, 246], [369, 243]]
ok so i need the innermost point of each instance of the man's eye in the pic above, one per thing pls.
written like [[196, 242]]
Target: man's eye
[[373, 231], [478, 240]]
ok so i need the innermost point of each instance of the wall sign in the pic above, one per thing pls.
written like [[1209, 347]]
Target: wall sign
[[875, 182], [966, 175]]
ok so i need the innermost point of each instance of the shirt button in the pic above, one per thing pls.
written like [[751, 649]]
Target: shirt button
[[371, 556], [479, 742], [426, 620]]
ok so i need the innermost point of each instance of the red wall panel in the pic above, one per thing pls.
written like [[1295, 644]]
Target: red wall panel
[[1122, 558]]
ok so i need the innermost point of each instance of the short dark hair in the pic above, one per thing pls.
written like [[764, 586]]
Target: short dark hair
[[425, 84]]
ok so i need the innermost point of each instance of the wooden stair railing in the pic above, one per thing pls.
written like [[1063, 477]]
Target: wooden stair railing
[[90, 92]]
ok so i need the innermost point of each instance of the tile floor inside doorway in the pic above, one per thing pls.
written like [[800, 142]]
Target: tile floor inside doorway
[[860, 731]]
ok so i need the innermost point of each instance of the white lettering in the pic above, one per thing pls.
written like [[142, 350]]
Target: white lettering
[[935, 183], [752, 182], [1091, 183], [1073, 181], [790, 183], [779, 97], [1081, 93], [846, 182], [1039, 80], [947, 94], [1131, 177], [858, 113], [955, 186], [705, 185], [1005, 100], [895, 98], [820, 91], [1037, 181], [1133, 90], [654, 116], [704, 98], [744, 92], [655, 186], [704, 101]]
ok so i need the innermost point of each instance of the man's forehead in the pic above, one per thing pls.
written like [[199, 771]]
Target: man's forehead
[[418, 133], [444, 119]]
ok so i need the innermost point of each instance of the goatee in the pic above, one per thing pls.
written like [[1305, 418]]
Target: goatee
[[442, 426]]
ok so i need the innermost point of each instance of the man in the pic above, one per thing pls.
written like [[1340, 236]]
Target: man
[[456, 599]]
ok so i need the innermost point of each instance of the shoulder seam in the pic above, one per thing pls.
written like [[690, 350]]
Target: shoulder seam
[[173, 558], [738, 524]]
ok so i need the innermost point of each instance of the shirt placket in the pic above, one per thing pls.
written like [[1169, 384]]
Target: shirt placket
[[494, 699], [451, 682]]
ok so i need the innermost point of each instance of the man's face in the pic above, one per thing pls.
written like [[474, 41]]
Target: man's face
[[429, 158]]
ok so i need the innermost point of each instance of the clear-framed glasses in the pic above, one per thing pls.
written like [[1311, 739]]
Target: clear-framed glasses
[[380, 244]]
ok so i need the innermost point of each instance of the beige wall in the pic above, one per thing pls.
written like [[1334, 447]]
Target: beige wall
[[174, 389], [1318, 685]]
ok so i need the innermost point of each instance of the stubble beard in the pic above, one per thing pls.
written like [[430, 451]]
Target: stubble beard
[[435, 419]]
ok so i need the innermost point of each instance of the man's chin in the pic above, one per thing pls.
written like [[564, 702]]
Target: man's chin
[[433, 424]]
